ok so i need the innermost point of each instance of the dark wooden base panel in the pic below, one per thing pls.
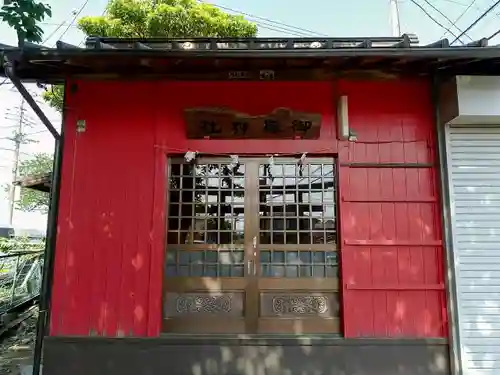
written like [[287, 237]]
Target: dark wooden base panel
[[232, 355]]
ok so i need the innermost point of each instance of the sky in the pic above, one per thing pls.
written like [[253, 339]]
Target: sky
[[332, 18]]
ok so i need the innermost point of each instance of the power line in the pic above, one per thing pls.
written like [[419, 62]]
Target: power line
[[37, 132], [58, 27], [9, 127], [53, 24], [462, 14], [431, 17], [300, 29], [278, 29], [494, 34], [13, 150], [53, 33], [43, 42], [456, 2], [275, 24], [478, 19], [25, 135], [446, 18], [264, 23], [85, 37], [74, 18]]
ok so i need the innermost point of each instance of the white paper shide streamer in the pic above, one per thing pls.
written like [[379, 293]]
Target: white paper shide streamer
[[234, 162], [190, 156], [301, 162]]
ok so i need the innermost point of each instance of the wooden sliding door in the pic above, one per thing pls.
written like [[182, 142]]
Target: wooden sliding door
[[252, 248]]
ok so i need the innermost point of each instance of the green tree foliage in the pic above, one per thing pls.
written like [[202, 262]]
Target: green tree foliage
[[23, 16], [31, 200], [54, 97], [159, 18], [166, 18]]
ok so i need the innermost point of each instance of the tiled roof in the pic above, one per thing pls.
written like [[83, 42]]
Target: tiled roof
[[38, 182], [252, 44]]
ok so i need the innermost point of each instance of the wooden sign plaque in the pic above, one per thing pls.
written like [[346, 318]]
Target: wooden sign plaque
[[221, 123]]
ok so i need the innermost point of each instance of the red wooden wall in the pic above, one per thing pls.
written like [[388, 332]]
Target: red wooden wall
[[392, 255], [110, 247]]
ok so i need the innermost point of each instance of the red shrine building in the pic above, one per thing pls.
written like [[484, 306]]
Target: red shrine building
[[269, 206]]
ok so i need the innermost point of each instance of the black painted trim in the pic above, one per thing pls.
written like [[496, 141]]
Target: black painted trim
[[50, 250], [449, 271], [248, 340], [233, 355]]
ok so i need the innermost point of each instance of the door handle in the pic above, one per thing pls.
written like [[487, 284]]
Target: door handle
[[254, 244], [250, 268]]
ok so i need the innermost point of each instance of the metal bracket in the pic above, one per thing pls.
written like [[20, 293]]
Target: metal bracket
[[11, 74]]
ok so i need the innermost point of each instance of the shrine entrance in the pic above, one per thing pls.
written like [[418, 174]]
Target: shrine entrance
[[251, 248]]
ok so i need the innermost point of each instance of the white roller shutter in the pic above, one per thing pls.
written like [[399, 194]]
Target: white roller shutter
[[474, 172]]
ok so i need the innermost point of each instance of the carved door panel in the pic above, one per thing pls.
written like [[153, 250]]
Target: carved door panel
[[297, 269]]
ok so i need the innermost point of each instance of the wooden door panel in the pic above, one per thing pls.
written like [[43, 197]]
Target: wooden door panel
[[298, 325], [297, 266], [298, 305], [269, 283], [205, 311], [208, 284], [307, 304], [207, 252], [204, 325], [218, 301]]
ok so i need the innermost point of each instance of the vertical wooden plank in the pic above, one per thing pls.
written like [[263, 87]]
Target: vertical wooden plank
[[379, 269], [158, 232], [343, 183], [91, 258], [129, 241], [100, 229], [82, 219], [373, 228], [159, 220], [116, 178], [141, 260], [59, 287], [95, 285], [73, 324]]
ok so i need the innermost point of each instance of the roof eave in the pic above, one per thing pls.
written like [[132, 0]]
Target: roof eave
[[109, 56]]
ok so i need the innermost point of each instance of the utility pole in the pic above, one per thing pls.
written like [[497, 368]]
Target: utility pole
[[394, 18], [18, 140]]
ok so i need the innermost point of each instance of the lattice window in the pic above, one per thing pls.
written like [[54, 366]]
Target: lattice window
[[297, 203], [206, 204], [205, 263], [298, 264]]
